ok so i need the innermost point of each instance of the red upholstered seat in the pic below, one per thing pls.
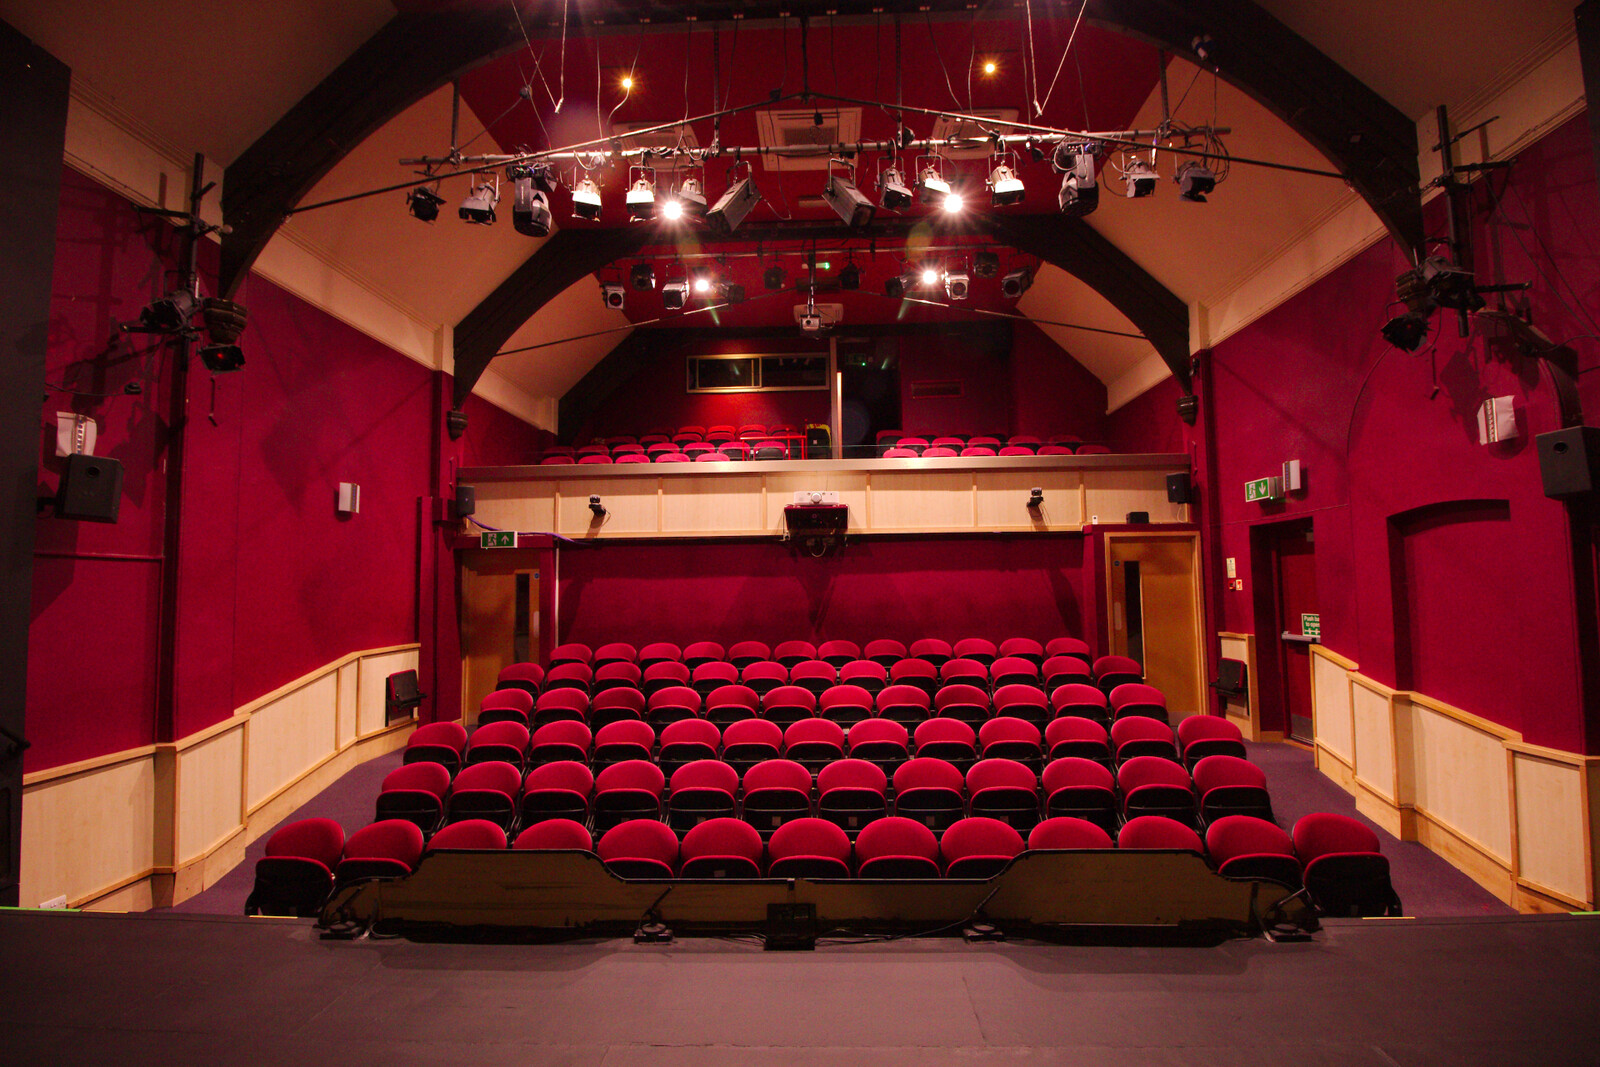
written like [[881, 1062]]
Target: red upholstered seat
[[569, 676], [661, 674], [1068, 646], [623, 740], [764, 675], [845, 704], [503, 742], [838, 652], [555, 835], [950, 740], [614, 652], [506, 705], [1082, 789], [557, 791], [917, 672], [979, 847], [295, 875], [776, 791], [627, 790], [640, 848], [743, 653], [885, 650], [1112, 671], [869, 675], [616, 705], [809, 848], [1200, 736], [1228, 785], [469, 833], [789, 653], [979, 648], [851, 793], [556, 704], [415, 792], [1141, 736], [487, 790], [881, 741], [1345, 873], [1136, 698], [968, 703], [896, 847], [1152, 785], [671, 704], [929, 790], [722, 848], [1080, 702], [1246, 847], [1066, 670], [659, 652], [788, 704], [904, 704], [1073, 736], [437, 742], [814, 674], [964, 671], [712, 674], [572, 652], [932, 649], [813, 742], [528, 676], [750, 741], [616, 675], [1007, 737], [1066, 834], [386, 849], [1004, 789], [1156, 832], [730, 703], [1026, 702], [702, 790], [1013, 670], [697, 652], [556, 741], [686, 741]]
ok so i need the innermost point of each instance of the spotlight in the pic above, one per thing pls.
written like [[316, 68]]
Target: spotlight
[[930, 277], [956, 284], [530, 209], [892, 189], [586, 200], [986, 264], [1080, 194], [847, 201], [989, 67], [641, 198], [643, 277], [1195, 180], [1005, 188], [733, 206], [1016, 283], [627, 84], [171, 313], [1406, 331], [1450, 286], [598, 508], [423, 203], [674, 293], [733, 293], [702, 282], [850, 277], [672, 209], [1141, 179], [692, 198], [895, 288], [220, 359], [772, 277], [953, 203], [931, 186], [478, 207], [1035, 498], [612, 295], [225, 320]]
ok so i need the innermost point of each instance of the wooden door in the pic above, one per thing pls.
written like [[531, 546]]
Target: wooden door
[[1153, 589], [499, 619], [1295, 575]]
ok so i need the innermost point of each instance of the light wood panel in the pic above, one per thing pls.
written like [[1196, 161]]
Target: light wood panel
[[1169, 585], [921, 500], [1243, 711], [851, 485], [349, 679], [1110, 495], [633, 506], [1002, 500], [1459, 777], [290, 735], [1333, 720], [210, 788], [718, 502], [1372, 714], [89, 834], [371, 691], [1554, 849], [488, 618], [516, 505]]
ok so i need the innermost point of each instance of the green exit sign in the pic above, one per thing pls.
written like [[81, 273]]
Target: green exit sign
[[1310, 625], [498, 539], [1263, 489]]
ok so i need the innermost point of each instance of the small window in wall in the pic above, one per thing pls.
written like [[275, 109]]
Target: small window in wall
[[756, 373]]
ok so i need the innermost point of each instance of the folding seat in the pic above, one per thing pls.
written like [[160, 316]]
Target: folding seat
[[915, 445], [559, 450], [1200, 736], [979, 847], [639, 848], [1093, 450], [743, 653], [1228, 785], [701, 790], [814, 674], [1007, 737], [1139, 736], [897, 848], [932, 649], [669, 457], [1004, 789], [614, 652], [671, 704], [976, 450], [723, 847], [572, 653], [1071, 441], [864, 672], [1345, 874], [687, 741], [489, 790], [469, 833], [556, 791], [696, 653], [662, 674], [845, 705], [1013, 670], [627, 790], [1136, 698], [950, 740], [1155, 832], [295, 875], [752, 430], [764, 676], [979, 648], [712, 674], [1245, 847], [852, 793], [631, 457], [527, 676], [558, 741], [655, 450], [768, 451], [1064, 834], [621, 741], [749, 742], [659, 652], [1067, 646], [688, 435], [983, 441], [1080, 789], [615, 705], [776, 791], [838, 652], [1080, 702], [809, 848], [917, 672], [946, 441], [658, 436], [968, 703], [554, 705], [387, 849], [737, 451], [1024, 440], [813, 743], [1054, 450], [594, 448], [569, 676], [555, 835], [907, 705], [596, 457], [1154, 786], [506, 705], [1066, 670], [886, 439], [731, 703], [414, 792], [437, 742], [788, 704], [880, 741], [939, 452], [789, 653], [930, 791], [557, 461], [626, 448], [720, 434], [1110, 672], [1025, 702], [500, 742], [962, 671], [1080, 738], [617, 676], [885, 650], [1016, 450]]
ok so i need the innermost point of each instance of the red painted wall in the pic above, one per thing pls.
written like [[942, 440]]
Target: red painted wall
[[1052, 393], [1149, 422], [978, 360]]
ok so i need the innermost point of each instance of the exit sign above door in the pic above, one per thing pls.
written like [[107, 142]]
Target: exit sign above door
[[498, 539], [1263, 489]]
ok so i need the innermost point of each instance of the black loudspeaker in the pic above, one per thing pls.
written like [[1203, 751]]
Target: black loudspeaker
[[1569, 461], [466, 500], [1138, 518], [91, 489], [1178, 488]]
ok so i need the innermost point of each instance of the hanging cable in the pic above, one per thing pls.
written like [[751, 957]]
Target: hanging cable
[[1038, 108]]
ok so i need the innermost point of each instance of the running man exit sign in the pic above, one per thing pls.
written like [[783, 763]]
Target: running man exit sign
[[498, 539], [1263, 489]]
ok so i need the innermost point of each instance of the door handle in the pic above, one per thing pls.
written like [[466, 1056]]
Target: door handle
[[1299, 639]]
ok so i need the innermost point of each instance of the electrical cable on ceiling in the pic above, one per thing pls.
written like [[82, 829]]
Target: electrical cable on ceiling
[[1038, 108], [933, 42], [563, 99]]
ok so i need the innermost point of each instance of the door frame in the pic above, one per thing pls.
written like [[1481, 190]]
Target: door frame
[[1266, 613], [1197, 590]]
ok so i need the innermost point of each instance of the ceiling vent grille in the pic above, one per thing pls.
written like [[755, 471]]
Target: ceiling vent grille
[[779, 129]]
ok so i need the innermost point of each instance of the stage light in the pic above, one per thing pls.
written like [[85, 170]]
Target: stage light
[[672, 210], [854, 209], [613, 296], [953, 203], [732, 207], [220, 359], [733, 293], [931, 186], [850, 277], [1195, 180], [1140, 178], [674, 293], [225, 320], [990, 67], [702, 282], [478, 207], [641, 199], [1080, 194], [627, 84], [1450, 286], [423, 203], [171, 313], [1406, 331], [688, 201], [985, 264], [1016, 283], [930, 277], [773, 278], [957, 284], [642, 277], [530, 207], [1005, 188], [896, 287], [892, 189], [586, 200]]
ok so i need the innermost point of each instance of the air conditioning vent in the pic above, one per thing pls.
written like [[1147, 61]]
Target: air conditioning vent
[[936, 390], [660, 139], [946, 127], [780, 128]]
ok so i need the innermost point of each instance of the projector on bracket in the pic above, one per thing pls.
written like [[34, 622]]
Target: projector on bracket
[[818, 318]]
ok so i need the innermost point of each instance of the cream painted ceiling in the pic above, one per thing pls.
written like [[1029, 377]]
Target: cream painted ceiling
[[212, 76]]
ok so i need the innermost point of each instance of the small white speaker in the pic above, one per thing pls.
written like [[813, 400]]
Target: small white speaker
[[349, 498]]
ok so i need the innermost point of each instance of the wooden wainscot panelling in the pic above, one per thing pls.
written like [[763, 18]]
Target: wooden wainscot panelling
[[1381, 789], [922, 500], [88, 829], [1002, 500], [714, 502], [349, 679], [1244, 710], [633, 506], [851, 485], [517, 505], [1110, 495], [1332, 717], [292, 734], [1555, 795], [374, 670]]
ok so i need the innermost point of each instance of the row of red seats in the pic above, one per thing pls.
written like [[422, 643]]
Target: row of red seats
[[683, 435], [890, 442], [837, 651]]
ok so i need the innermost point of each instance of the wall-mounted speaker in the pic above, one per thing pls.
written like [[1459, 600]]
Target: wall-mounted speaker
[[466, 500], [1179, 488], [1138, 518], [91, 489], [1569, 461]]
